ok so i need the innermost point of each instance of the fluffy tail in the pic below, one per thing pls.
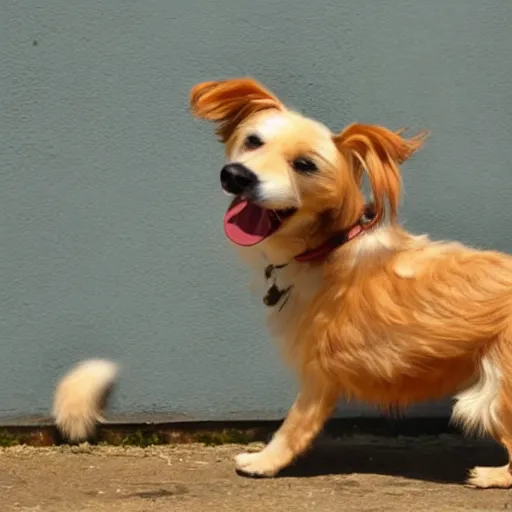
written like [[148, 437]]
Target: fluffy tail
[[81, 396]]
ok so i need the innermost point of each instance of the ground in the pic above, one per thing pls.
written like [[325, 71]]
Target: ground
[[361, 473]]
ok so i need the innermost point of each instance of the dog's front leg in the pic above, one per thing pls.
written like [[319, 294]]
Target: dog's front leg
[[305, 419]]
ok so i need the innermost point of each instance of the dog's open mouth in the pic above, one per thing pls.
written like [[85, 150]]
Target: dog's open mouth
[[247, 223]]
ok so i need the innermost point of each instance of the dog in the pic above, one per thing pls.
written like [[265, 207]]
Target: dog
[[361, 308]]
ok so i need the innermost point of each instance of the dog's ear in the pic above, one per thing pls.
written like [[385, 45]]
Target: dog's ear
[[229, 102], [378, 151]]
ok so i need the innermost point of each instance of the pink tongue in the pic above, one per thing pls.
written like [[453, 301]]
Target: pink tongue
[[246, 223]]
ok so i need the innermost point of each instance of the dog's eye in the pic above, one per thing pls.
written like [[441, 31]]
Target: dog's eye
[[304, 165], [253, 142]]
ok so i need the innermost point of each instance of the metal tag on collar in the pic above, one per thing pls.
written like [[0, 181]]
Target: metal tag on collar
[[270, 270], [274, 295]]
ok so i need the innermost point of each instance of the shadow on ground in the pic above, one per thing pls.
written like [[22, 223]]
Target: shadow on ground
[[441, 462]]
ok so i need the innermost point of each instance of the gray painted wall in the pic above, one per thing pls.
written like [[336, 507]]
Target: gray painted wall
[[111, 238]]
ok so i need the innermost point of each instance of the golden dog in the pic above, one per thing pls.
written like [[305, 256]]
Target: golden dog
[[363, 309]]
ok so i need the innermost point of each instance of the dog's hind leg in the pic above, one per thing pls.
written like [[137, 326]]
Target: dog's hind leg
[[486, 407], [304, 421], [493, 477]]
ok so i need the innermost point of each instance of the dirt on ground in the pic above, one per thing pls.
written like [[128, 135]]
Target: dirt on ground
[[363, 474]]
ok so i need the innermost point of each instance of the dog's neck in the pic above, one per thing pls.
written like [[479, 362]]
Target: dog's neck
[[286, 284], [282, 250]]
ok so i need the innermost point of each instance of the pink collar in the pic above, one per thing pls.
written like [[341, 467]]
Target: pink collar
[[368, 219]]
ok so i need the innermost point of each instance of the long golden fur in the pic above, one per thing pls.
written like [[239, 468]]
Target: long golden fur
[[389, 318]]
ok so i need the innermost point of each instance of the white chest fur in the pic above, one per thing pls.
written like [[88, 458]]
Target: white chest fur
[[285, 291]]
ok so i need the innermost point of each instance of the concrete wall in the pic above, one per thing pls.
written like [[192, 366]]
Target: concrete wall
[[110, 210]]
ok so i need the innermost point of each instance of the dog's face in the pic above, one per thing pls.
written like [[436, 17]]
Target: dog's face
[[291, 175], [284, 169]]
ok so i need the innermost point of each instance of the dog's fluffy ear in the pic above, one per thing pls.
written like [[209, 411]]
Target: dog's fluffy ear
[[230, 102], [378, 151]]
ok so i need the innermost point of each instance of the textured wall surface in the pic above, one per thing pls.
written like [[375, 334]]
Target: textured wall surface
[[110, 230]]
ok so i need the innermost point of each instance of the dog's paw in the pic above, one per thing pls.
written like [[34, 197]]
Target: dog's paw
[[488, 477], [256, 464]]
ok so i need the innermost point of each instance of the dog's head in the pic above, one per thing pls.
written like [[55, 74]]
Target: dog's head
[[291, 176]]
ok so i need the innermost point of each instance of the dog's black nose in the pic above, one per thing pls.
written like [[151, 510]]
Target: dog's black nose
[[237, 179]]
